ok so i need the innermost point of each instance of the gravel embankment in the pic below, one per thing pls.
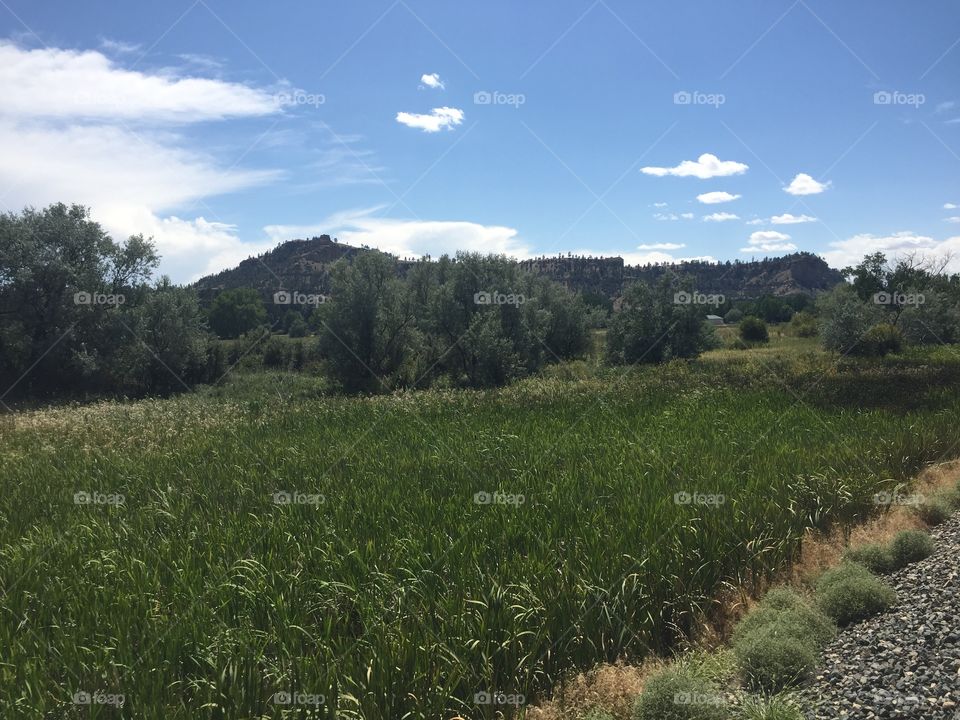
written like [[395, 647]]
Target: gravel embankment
[[906, 662]]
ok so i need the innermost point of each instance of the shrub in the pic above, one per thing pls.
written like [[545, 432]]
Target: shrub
[[678, 695], [879, 340], [772, 657], [876, 558], [844, 318], [803, 324], [910, 546], [298, 328], [734, 316], [849, 593], [787, 612], [753, 329], [934, 510]]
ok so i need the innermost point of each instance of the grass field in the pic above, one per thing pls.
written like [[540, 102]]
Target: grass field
[[438, 544]]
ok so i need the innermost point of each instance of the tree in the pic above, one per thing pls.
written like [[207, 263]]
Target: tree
[[653, 327], [365, 330], [63, 285], [845, 318], [753, 329], [236, 311]]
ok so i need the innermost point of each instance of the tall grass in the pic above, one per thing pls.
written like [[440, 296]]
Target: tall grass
[[395, 594]]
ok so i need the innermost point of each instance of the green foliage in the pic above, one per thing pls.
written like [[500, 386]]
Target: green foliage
[[849, 593], [790, 614], [753, 329], [653, 327], [845, 319], [298, 327], [803, 324], [677, 695], [597, 713], [78, 312], [236, 311], [879, 340], [776, 643], [777, 707], [910, 546], [934, 510], [733, 316], [876, 558]]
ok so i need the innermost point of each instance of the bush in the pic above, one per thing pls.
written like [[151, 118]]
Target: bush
[[753, 329], [790, 614], [910, 546], [881, 339], [934, 510], [676, 695], [803, 324], [845, 318], [772, 657], [876, 558], [849, 593], [298, 328], [734, 316]]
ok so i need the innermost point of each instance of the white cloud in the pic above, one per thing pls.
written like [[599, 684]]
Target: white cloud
[[651, 258], [687, 216], [119, 46], [756, 221], [714, 198], [70, 84], [720, 217], [950, 206], [660, 205], [851, 251], [788, 219], [803, 184], [769, 241], [432, 80], [409, 238], [705, 167], [672, 216], [439, 118], [954, 219], [661, 246]]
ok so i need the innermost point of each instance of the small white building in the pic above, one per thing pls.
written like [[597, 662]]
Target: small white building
[[714, 319]]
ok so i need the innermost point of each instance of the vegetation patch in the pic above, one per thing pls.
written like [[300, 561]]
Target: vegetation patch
[[675, 694], [850, 593]]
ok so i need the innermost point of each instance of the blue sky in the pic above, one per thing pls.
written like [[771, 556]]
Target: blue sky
[[423, 126]]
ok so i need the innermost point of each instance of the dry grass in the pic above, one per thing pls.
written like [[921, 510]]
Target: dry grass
[[615, 687]]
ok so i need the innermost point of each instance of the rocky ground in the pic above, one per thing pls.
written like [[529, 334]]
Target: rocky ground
[[906, 662]]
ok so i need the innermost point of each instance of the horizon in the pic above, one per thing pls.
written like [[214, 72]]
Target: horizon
[[653, 133]]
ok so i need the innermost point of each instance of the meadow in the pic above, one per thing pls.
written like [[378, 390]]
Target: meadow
[[263, 549]]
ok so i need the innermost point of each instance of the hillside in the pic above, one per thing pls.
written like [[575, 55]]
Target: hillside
[[304, 265]]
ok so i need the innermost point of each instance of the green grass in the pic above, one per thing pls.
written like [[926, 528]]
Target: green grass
[[399, 596]]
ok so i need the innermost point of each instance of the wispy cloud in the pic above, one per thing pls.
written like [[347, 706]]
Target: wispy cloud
[[720, 217], [714, 198], [769, 241], [438, 119], [788, 219]]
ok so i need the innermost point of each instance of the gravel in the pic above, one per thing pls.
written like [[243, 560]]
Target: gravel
[[904, 663]]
